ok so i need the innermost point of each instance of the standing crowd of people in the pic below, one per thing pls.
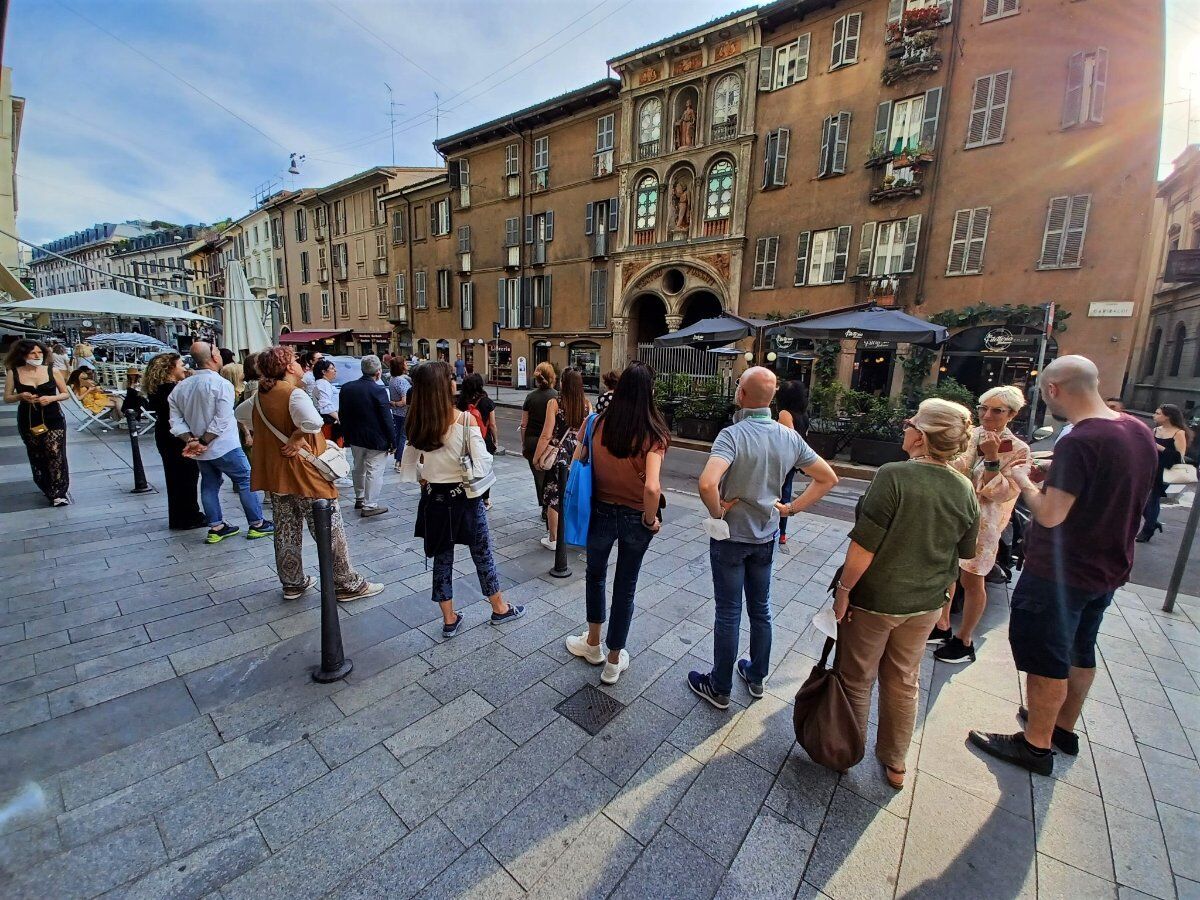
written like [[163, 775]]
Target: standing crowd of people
[[924, 530]]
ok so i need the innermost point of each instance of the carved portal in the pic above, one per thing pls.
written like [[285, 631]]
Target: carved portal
[[727, 49]]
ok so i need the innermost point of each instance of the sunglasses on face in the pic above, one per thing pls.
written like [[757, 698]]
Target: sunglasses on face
[[998, 410]]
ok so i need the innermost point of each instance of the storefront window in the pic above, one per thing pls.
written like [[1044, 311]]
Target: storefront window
[[873, 364], [500, 363], [585, 356]]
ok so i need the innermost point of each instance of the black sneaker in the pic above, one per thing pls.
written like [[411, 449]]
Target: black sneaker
[[514, 612], [938, 635], [1015, 749], [998, 575], [216, 535], [955, 652], [701, 685], [1066, 741], [449, 631], [754, 687]]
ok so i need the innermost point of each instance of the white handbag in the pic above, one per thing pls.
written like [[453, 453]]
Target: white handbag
[[473, 485], [330, 465], [1181, 473]]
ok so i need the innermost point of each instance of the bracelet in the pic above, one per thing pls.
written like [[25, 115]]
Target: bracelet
[[838, 586], [990, 465]]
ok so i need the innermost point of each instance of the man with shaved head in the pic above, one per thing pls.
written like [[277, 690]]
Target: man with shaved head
[[741, 484], [1079, 550], [202, 417]]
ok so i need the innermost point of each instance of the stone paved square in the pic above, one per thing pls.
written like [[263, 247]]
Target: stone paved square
[[156, 691]]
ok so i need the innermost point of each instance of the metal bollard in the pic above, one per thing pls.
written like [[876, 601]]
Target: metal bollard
[[334, 664], [560, 569], [140, 484], [1185, 548]]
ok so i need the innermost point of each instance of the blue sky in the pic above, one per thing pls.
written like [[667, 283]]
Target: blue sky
[[108, 135]]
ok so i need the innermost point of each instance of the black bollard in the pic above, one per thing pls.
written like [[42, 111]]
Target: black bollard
[[560, 569], [334, 664], [1185, 551], [140, 484]]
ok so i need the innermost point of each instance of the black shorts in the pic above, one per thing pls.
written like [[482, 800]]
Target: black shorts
[[1053, 627]]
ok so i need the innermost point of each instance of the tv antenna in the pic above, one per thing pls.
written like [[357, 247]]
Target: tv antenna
[[392, 104]]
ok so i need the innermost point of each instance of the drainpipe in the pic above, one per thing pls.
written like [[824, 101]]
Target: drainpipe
[[410, 302]]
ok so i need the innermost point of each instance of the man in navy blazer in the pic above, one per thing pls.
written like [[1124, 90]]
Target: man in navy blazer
[[366, 418]]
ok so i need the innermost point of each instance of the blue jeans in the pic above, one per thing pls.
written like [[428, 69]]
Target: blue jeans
[[738, 568], [237, 467], [621, 525], [1153, 509], [786, 496], [401, 440]]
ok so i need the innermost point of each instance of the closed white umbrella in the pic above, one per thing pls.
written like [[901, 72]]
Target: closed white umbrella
[[244, 331]]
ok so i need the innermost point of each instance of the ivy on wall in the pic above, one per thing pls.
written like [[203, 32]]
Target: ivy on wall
[[916, 364], [1006, 314]]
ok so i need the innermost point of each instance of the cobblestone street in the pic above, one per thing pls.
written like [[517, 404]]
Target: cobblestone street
[[157, 690]]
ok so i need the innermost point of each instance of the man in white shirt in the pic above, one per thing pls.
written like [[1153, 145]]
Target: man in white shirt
[[202, 417]]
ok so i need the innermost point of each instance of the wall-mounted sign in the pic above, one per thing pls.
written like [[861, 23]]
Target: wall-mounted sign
[[876, 345], [1121, 309], [998, 339], [853, 335]]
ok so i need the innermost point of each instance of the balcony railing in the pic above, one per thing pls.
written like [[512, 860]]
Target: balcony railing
[[906, 179], [882, 290], [537, 254], [256, 281], [642, 238], [322, 275], [512, 257], [716, 227], [381, 265], [647, 149], [321, 231], [602, 164], [464, 262], [599, 245], [398, 314], [340, 273], [724, 131], [911, 55], [539, 180]]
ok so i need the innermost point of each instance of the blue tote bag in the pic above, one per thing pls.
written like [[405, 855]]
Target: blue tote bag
[[577, 504]]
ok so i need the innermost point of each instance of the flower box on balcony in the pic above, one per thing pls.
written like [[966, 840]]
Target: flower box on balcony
[[922, 19], [895, 191], [912, 159], [877, 157], [911, 66]]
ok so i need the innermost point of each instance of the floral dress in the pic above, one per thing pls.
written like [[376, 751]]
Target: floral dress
[[996, 498], [569, 438]]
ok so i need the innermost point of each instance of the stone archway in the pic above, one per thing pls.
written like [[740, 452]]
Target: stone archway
[[699, 305], [647, 320]]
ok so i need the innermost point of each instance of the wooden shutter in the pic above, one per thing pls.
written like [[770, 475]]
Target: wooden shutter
[[850, 48], [760, 262], [588, 216], [549, 214], [828, 139], [883, 123], [464, 238], [912, 234], [980, 106], [529, 229], [841, 142], [1073, 102], [1099, 86], [895, 11], [433, 217], [547, 299], [455, 177], [769, 147], [1052, 237], [782, 140], [998, 107], [866, 250], [771, 259], [977, 239], [526, 301], [511, 227], [614, 219], [929, 125], [841, 254], [501, 304], [1076, 225], [803, 45], [802, 247], [466, 297], [599, 311], [836, 54], [766, 67], [955, 263]]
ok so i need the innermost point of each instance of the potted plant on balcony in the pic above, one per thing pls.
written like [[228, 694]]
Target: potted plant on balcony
[[702, 416], [878, 434], [877, 156], [922, 19]]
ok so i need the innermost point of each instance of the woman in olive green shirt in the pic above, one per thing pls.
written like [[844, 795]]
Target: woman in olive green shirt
[[913, 525]]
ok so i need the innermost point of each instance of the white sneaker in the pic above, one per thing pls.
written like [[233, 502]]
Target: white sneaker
[[549, 544], [578, 646], [612, 671]]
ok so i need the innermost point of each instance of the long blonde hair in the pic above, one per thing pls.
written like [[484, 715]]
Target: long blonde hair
[[235, 375]]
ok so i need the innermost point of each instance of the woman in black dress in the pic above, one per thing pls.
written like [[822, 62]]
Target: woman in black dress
[[793, 412], [40, 421], [1171, 435], [182, 475]]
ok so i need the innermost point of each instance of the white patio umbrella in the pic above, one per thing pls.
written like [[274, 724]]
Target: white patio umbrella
[[104, 302], [244, 331]]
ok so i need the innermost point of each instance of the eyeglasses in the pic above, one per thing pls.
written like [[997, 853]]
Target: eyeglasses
[[998, 410], [907, 424]]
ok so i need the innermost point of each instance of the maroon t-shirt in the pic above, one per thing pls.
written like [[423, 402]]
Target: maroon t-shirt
[[1109, 467]]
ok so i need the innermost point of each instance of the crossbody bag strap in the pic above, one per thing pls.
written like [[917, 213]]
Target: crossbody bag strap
[[304, 452]]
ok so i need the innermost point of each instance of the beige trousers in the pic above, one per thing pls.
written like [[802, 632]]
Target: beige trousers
[[888, 648]]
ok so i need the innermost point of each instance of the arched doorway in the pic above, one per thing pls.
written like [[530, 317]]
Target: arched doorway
[[647, 320], [700, 305], [443, 350]]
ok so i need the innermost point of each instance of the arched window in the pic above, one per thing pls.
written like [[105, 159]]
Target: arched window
[[649, 127], [646, 204], [1152, 353], [423, 348], [727, 100], [1177, 350], [718, 198]]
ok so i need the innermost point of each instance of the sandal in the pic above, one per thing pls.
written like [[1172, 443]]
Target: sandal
[[895, 777]]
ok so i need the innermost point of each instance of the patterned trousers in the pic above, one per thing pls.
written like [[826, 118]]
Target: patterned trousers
[[48, 461], [291, 513]]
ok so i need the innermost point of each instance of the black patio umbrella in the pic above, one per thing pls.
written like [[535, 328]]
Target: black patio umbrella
[[708, 333], [874, 323]]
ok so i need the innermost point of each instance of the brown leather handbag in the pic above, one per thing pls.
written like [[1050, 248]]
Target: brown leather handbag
[[824, 720]]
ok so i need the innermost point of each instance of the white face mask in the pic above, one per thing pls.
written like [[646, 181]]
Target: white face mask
[[31, 361]]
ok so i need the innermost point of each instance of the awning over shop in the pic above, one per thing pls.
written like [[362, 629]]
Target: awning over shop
[[104, 302], [708, 333], [873, 323], [305, 337]]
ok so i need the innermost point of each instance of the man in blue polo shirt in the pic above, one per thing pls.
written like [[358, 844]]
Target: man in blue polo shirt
[[741, 484]]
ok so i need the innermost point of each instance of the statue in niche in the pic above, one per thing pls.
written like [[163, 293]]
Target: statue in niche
[[681, 205], [685, 127]]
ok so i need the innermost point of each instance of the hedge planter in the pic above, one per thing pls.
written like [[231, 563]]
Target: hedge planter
[[826, 445], [698, 429], [871, 452]]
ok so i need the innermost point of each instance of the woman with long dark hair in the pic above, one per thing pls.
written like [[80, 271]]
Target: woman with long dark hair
[[792, 400], [1172, 435], [180, 472], [398, 387], [439, 437], [473, 399], [533, 420], [628, 443], [564, 416], [39, 390]]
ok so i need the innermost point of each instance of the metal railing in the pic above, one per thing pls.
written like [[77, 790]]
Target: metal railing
[[724, 131], [647, 149], [699, 365]]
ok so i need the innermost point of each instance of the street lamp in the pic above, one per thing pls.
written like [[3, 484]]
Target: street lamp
[[748, 356], [772, 356]]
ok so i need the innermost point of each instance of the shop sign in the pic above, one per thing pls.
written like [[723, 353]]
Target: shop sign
[[876, 345], [997, 340], [853, 335], [1110, 309]]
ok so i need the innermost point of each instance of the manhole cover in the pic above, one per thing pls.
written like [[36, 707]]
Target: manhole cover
[[589, 708]]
